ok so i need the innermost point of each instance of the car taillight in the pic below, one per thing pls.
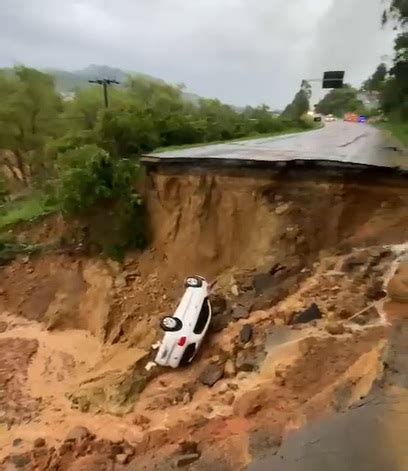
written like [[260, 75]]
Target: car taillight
[[182, 341]]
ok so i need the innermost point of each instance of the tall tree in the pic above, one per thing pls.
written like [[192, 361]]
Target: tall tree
[[300, 103], [29, 108], [339, 101], [376, 81]]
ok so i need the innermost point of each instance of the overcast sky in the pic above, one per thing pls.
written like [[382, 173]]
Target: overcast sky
[[241, 51]]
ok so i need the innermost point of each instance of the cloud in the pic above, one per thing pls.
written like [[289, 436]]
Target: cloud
[[242, 51]]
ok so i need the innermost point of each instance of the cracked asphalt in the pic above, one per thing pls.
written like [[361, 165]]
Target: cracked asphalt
[[338, 142]]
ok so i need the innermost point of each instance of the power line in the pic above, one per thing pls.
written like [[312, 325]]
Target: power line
[[105, 83]]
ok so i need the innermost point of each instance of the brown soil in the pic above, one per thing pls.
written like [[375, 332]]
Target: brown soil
[[76, 331]]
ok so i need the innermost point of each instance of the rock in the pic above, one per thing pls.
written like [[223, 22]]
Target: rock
[[211, 374], [375, 289], [278, 321], [246, 361], [262, 282], [361, 319], [121, 458], [223, 388], [185, 460], [77, 433], [354, 260], [229, 398], [39, 442], [235, 290], [335, 328], [3, 326], [20, 461], [240, 312], [261, 304], [229, 369], [187, 447], [65, 448], [187, 398], [309, 314], [282, 208], [246, 333], [120, 281], [218, 304], [17, 442], [218, 323]]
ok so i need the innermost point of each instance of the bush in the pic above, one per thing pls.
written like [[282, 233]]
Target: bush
[[90, 178]]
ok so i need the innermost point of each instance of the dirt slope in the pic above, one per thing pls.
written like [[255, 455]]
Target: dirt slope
[[76, 331]]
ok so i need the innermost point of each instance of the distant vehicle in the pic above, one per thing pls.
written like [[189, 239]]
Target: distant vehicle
[[186, 329], [329, 118], [362, 119], [317, 118], [351, 117]]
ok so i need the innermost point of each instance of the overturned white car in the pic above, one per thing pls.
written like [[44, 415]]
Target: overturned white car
[[185, 330]]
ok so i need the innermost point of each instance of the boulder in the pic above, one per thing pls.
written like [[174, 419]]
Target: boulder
[[39, 442], [240, 312], [186, 460], [211, 374], [246, 333], [218, 304], [309, 314], [77, 433], [335, 328]]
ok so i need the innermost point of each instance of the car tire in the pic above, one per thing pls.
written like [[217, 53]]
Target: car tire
[[171, 324], [193, 282]]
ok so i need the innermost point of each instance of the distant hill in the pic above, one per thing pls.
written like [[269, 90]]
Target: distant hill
[[66, 81]]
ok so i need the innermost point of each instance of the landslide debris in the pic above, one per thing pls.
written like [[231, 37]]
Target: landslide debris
[[299, 328]]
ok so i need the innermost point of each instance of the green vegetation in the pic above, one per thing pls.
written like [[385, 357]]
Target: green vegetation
[[77, 157], [301, 102], [398, 129], [340, 101], [24, 209], [394, 89]]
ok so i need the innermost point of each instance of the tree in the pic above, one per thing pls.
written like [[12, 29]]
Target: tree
[[395, 94], [376, 81], [339, 101], [300, 104], [29, 109]]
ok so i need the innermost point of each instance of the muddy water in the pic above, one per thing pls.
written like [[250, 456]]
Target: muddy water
[[371, 436]]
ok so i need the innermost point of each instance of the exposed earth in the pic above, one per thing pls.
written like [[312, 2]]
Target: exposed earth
[[309, 278]]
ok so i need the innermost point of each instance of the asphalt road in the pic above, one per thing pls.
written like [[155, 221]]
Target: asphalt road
[[371, 436], [338, 141]]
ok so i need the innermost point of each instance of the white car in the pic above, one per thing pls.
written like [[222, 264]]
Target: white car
[[186, 329]]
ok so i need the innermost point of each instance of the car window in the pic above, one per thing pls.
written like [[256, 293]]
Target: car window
[[202, 317]]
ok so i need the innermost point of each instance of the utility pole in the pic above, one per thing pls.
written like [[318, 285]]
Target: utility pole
[[104, 83]]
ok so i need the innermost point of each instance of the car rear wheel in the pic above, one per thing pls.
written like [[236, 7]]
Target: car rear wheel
[[193, 282], [171, 324]]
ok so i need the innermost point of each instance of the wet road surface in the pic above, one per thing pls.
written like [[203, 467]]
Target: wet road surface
[[337, 141], [371, 436]]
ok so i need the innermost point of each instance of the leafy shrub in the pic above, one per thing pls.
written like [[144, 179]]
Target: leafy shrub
[[90, 178]]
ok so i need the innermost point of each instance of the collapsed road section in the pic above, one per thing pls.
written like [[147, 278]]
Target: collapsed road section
[[307, 272]]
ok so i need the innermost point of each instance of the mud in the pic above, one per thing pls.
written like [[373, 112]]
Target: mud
[[76, 331]]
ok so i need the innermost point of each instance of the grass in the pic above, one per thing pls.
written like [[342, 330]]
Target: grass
[[25, 209], [237, 139], [397, 129]]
